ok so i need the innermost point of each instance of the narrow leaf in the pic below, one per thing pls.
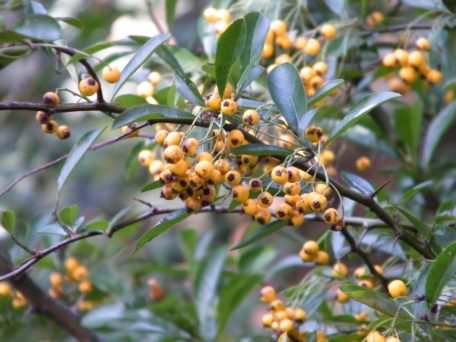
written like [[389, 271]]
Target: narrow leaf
[[257, 27], [260, 233], [152, 186], [139, 58], [76, 154], [8, 220], [162, 226], [442, 270], [155, 113], [40, 27], [358, 183], [326, 90], [262, 150], [360, 110]]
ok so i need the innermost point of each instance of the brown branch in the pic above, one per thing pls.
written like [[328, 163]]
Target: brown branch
[[363, 255], [45, 305]]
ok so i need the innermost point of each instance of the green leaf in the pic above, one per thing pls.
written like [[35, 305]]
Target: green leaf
[[410, 193], [437, 128], [170, 12], [162, 226], [306, 119], [436, 5], [408, 122], [229, 46], [154, 113], [358, 183], [129, 100], [260, 233], [184, 84], [326, 90], [139, 58], [232, 295], [262, 150], [69, 215], [8, 220], [76, 154], [360, 110], [40, 27], [152, 186], [287, 92], [205, 291], [415, 221], [372, 298], [72, 21], [248, 76], [443, 268], [257, 27]]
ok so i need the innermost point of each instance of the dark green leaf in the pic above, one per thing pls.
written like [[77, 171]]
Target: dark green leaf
[[326, 90], [69, 215], [162, 226], [287, 92], [205, 292], [8, 220], [139, 58], [358, 183], [306, 119], [418, 223], [442, 270], [439, 125], [257, 27], [372, 298], [152, 186], [408, 123], [40, 27], [248, 76], [228, 49], [232, 295], [436, 5], [170, 10], [72, 21], [154, 113], [360, 110], [76, 154], [129, 100], [260, 233], [262, 150]]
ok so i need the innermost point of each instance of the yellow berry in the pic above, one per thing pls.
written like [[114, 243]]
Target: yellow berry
[[5, 289], [401, 56], [279, 27], [389, 60], [341, 296], [279, 174], [250, 207], [375, 336], [63, 132], [416, 58], [363, 164], [229, 107], [241, 193], [235, 138], [423, 43], [233, 177], [88, 86], [204, 169], [322, 258], [85, 286], [190, 146], [214, 102], [397, 288], [408, 74], [71, 264], [251, 117], [51, 99], [56, 279], [268, 294], [340, 270], [210, 14], [80, 273], [312, 47], [145, 89], [314, 134], [318, 202], [328, 31], [154, 78], [263, 216], [145, 157], [311, 247], [173, 153], [434, 76], [111, 74], [332, 216]]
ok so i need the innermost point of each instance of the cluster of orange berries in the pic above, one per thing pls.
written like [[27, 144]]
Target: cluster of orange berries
[[18, 301], [374, 19], [313, 77], [219, 18], [89, 86], [376, 336], [49, 125], [147, 88], [411, 65], [77, 275], [281, 319], [310, 252]]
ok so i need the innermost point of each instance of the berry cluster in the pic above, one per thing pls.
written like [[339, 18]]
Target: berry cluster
[[75, 282], [147, 88], [410, 66], [18, 301], [49, 125], [282, 320], [219, 19], [374, 19]]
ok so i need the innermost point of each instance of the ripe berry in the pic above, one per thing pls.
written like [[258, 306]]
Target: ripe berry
[[205, 156], [401, 56], [311, 247], [322, 258], [214, 102], [283, 210], [332, 216], [204, 169], [145, 157], [241, 193], [268, 294], [312, 47], [172, 138], [111, 74], [323, 188], [210, 14], [416, 58], [71, 264], [42, 117], [154, 78], [233, 177], [56, 279], [267, 320], [235, 138], [264, 199], [179, 168], [408, 74], [49, 127], [173, 153], [268, 51], [314, 134], [307, 73], [155, 167], [63, 132], [250, 207], [300, 43], [423, 43], [229, 107], [396, 84], [51, 99], [363, 164], [190, 146], [340, 270], [279, 174], [5, 289], [397, 288], [279, 27], [368, 283], [318, 202], [320, 68], [85, 286], [328, 31], [88, 86], [286, 325], [341, 296], [375, 336], [284, 42], [434, 76], [296, 219], [251, 117], [80, 273], [389, 60], [263, 216], [306, 257]]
